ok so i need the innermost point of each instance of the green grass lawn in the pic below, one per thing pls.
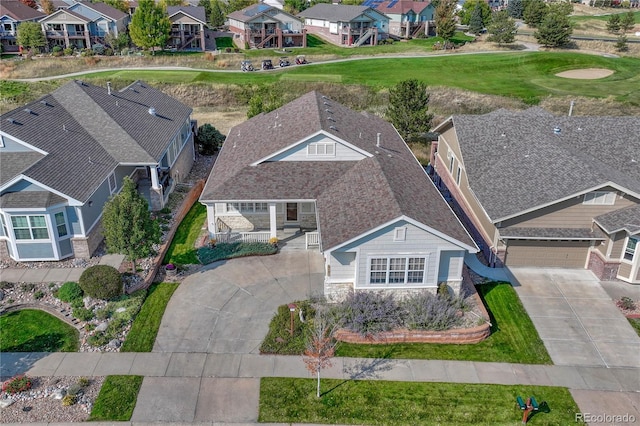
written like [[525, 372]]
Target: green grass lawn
[[581, 18], [290, 400], [31, 330], [182, 250], [147, 323], [529, 76], [513, 337], [224, 42], [117, 399], [635, 323]]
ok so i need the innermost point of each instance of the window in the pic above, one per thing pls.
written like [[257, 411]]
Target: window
[[4, 226], [30, 227], [603, 198], [400, 234], [61, 224], [1, 141], [247, 207], [451, 160], [321, 148], [397, 270], [112, 183], [8, 27], [630, 250], [458, 175], [307, 207]]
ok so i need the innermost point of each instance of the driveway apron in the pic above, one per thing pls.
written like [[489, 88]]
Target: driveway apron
[[576, 319]]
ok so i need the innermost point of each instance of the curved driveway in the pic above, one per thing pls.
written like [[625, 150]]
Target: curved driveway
[[226, 307]]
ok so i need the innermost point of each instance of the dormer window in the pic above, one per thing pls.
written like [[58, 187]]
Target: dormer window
[[601, 198], [324, 149]]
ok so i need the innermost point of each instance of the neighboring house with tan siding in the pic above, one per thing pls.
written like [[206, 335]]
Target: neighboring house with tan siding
[[348, 183], [536, 189], [188, 25]]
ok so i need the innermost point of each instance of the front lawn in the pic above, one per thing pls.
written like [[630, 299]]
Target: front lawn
[[224, 42], [117, 399], [182, 250], [32, 330], [145, 327], [513, 336], [290, 400], [635, 323]]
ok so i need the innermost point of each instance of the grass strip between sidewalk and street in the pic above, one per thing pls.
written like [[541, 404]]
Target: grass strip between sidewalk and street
[[147, 323], [117, 398], [33, 330], [371, 402], [513, 337]]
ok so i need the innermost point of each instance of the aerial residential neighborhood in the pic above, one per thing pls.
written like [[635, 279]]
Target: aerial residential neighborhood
[[281, 212]]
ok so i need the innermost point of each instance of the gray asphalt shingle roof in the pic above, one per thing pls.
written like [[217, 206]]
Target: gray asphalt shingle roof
[[352, 197], [107, 10], [624, 219], [30, 199], [333, 12], [19, 11], [516, 162], [197, 12], [86, 133], [552, 233]]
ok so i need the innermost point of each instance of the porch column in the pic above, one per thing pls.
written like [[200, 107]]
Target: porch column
[[87, 38], [272, 220], [154, 177]]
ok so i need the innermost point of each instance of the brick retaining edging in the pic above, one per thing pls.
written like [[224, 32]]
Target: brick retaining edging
[[458, 336], [57, 312]]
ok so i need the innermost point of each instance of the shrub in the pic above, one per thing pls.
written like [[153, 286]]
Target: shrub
[[28, 287], [83, 314], [68, 400], [57, 50], [209, 139], [101, 282], [424, 311], [38, 295], [367, 312], [68, 51], [69, 292], [17, 384], [4, 285], [83, 382], [627, 304]]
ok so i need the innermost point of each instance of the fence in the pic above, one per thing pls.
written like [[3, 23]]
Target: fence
[[312, 239]]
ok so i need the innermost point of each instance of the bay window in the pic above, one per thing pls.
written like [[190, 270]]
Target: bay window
[[397, 270]]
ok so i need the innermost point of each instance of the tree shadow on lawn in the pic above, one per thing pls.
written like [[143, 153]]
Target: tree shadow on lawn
[[366, 369]]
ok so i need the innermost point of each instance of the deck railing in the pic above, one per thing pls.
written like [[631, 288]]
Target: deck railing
[[245, 237], [312, 239]]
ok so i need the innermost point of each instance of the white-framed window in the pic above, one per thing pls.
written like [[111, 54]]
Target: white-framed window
[[458, 175], [400, 233], [113, 184], [32, 227], [307, 208], [4, 226], [61, 224], [1, 141], [631, 248], [451, 161], [602, 198], [397, 270], [248, 208], [327, 149]]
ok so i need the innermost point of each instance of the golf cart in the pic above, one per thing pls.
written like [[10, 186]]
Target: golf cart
[[284, 62], [246, 66], [301, 59], [267, 65]]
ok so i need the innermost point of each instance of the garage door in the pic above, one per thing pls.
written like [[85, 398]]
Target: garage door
[[565, 254]]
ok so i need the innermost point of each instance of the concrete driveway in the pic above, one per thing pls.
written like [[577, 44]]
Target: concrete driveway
[[226, 307], [576, 318]]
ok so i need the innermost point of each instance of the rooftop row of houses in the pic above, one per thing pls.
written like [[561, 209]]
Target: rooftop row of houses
[[527, 188], [82, 24]]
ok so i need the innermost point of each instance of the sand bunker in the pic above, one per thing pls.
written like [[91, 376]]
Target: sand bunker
[[586, 73]]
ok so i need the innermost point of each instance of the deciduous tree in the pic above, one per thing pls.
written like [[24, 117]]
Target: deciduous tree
[[295, 6], [150, 27], [468, 8], [121, 5], [554, 31], [320, 348], [47, 6], [31, 3], [29, 36], [409, 109], [234, 5], [127, 224], [217, 16], [445, 19], [206, 4], [502, 28]]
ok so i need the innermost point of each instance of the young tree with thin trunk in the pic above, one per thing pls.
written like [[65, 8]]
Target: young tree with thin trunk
[[613, 24], [150, 27], [476, 23], [408, 109], [445, 19], [502, 28], [47, 6], [127, 224], [320, 347], [627, 22]]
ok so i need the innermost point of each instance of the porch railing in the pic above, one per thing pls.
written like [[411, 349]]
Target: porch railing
[[245, 237], [312, 239]]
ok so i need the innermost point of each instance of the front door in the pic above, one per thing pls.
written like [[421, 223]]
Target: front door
[[292, 212]]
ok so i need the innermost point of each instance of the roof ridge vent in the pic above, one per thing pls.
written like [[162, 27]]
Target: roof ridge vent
[[152, 111]]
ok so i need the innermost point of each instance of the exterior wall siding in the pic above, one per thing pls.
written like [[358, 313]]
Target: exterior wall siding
[[342, 266], [618, 245], [35, 251], [625, 270], [569, 213]]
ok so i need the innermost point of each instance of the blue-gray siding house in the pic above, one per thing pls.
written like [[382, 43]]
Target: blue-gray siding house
[[350, 182], [65, 154]]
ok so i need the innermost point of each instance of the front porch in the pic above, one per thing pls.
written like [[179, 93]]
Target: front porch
[[288, 239]]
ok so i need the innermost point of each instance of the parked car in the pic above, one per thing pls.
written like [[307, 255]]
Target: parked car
[[246, 66], [267, 65]]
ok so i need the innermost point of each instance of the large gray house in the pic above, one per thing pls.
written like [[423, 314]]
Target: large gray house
[[348, 184], [65, 154]]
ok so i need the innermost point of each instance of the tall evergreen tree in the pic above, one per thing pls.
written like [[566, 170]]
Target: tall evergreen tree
[[206, 4], [613, 24], [217, 15], [476, 24], [445, 19], [554, 31], [150, 27], [408, 109], [535, 12], [127, 224], [502, 28], [627, 22], [515, 9]]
